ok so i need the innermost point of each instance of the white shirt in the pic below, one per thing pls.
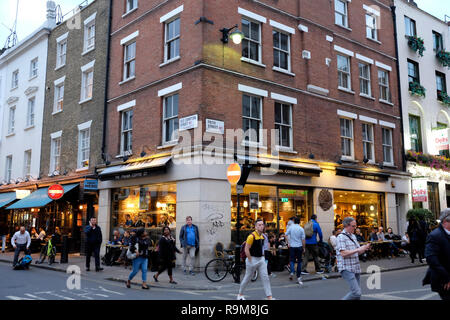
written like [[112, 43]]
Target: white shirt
[[448, 232], [21, 238], [333, 241]]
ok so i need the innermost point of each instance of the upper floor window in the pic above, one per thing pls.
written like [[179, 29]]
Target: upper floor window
[[15, 79], [383, 83], [283, 124], [27, 164], [281, 50], [89, 33], [8, 168], [87, 81], [34, 68], [445, 152], [251, 44], [341, 12], [252, 118], [367, 138], [129, 67], [30, 112], [61, 50], [11, 119], [83, 148], [344, 77], [55, 155], [388, 156], [347, 138], [172, 42], [131, 5], [371, 26], [126, 132], [364, 79], [59, 96], [170, 118], [441, 85], [415, 133], [413, 71], [437, 41], [410, 27]]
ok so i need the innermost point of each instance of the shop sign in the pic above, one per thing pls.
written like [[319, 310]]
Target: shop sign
[[215, 126], [363, 175], [419, 190], [91, 185], [55, 192], [187, 123], [440, 139], [254, 200], [284, 199], [295, 172], [20, 194]]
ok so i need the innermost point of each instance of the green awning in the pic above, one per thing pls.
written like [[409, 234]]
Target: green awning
[[39, 198], [6, 198]]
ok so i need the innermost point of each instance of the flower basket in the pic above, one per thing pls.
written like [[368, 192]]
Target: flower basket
[[417, 89], [416, 44], [434, 162], [444, 98], [444, 58]]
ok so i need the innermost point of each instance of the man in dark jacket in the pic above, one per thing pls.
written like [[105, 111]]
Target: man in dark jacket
[[93, 242], [437, 253], [189, 240]]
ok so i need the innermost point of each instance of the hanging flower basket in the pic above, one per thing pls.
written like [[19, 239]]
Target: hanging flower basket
[[417, 89], [416, 44], [444, 98], [444, 58], [434, 162]]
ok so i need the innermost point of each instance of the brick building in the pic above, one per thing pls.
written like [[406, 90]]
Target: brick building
[[321, 72]]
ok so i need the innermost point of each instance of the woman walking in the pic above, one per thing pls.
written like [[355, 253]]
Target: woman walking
[[167, 251], [139, 245], [415, 234]]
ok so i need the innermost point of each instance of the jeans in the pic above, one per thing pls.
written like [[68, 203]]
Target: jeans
[[19, 247], [142, 264], [258, 263], [3, 243], [188, 250], [353, 279], [311, 249], [93, 249], [295, 253]]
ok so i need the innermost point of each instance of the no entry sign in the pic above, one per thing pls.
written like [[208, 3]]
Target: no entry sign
[[55, 192], [233, 173]]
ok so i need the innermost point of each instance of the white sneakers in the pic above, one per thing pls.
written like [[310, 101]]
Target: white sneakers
[[300, 282], [239, 297]]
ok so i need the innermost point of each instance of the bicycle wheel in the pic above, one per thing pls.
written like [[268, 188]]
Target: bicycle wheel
[[216, 270]]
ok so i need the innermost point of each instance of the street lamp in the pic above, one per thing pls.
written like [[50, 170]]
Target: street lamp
[[236, 35]]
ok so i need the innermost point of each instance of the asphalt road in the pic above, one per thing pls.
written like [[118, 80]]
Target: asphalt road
[[41, 284]]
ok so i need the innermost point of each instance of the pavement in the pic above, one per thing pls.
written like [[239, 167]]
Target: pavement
[[199, 281]]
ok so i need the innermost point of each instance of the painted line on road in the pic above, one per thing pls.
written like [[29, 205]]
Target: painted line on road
[[33, 296], [382, 296], [55, 294], [102, 295], [110, 291], [219, 298], [17, 298], [427, 296], [191, 292]]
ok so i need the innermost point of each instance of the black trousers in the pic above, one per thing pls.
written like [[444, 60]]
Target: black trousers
[[93, 249], [445, 295], [19, 248], [165, 264]]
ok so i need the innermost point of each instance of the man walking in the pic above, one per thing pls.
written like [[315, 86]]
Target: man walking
[[254, 250], [437, 253], [20, 241], [347, 253], [296, 238], [311, 246], [93, 242], [189, 240]]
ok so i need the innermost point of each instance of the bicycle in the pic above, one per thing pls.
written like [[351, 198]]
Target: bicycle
[[217, 269], [49, 251]]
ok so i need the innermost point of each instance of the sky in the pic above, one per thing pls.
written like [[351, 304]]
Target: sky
[[32, 14]]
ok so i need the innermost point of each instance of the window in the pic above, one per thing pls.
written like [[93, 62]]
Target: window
[[441, 85], [34, 68], [371, 26], [55, 155], [131, 5], [410, 27], [251, 44], [30, 112], [15, 79], [446, 152], [126, 132], [413, 71], [8, 168], [367, 137], [281, 48], [347, 137], [383, 83], [61, 53], [437, 41], [87, 84], [415, 133], [364, 79], [83, 148], [433, 198], [89, 35], [170, 118], [343, 64], [340, 13], [283, 123], [172, 44], [129, 61], [59, 98], [27, 164], [387, 146], [252, 118], [12, 119]]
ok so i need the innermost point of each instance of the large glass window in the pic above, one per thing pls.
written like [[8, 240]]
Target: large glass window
[[126, 132], [129, 61], [415, 133], [383, 84], [371, 26], [388, 156], [441, 85], [170, 118]]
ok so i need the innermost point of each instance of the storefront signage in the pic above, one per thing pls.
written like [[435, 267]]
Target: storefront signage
[[91, 185], [284, 199], [55, 192], [215, 126], [440, 139], [297, 172], [362, 175], [288, 191], [419, 190], [187, 123], [20, 194], [254, 200]]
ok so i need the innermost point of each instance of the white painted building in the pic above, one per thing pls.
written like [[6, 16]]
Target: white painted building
[[22, 84], [422, 116]]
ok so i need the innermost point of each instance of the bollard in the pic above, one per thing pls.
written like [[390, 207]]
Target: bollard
[[65, 249], [237, 267]]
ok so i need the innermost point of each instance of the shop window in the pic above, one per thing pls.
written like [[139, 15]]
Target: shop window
[[433, 198], [366, 208]]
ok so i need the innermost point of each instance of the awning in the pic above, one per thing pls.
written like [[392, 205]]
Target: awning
[[6, 198], [134, 169], [359, 174], [39, 198]]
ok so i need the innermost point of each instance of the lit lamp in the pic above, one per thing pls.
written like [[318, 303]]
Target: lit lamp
[[334, 206], [354, 207], [245, 204], [236, 35], [372, 208], [260, 204]]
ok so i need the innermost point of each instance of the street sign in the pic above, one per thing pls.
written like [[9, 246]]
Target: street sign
[[239, 189], [55, 192], [233, 173]]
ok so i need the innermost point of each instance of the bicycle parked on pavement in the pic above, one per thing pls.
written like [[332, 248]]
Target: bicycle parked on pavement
[[217, 269]]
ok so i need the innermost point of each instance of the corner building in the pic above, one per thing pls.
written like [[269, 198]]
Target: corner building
[[323, 73]]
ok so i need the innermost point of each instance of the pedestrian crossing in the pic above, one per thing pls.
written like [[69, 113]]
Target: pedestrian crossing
[[82, 294]]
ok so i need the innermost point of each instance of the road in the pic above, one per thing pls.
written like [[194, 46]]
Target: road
[[41, 284]]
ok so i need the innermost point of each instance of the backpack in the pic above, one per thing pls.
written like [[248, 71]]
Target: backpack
[[309, 229], [243, 255]]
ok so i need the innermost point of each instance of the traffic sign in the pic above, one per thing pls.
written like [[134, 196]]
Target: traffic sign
[[239, 189], [55, 192], [233, 173]]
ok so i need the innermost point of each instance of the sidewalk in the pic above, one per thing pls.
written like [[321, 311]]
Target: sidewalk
[[199, 281]]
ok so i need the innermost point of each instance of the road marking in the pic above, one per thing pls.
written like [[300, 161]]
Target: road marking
[[427, 296], [102, 295], [382, 296], [219, 298], [17, 298], [106, 290], [82, 295], [33, 296], [55, 294], [191, 292]]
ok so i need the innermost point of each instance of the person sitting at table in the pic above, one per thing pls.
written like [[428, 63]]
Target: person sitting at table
[[380, 234], [163, 221], [359, 236], [172, 222], [125, 240], [281, 242], [41, 235], [391, 236], [405, 243], [33, 233], [151, 222], [116, 238], [373, 235], [333, 238], [128, 222]]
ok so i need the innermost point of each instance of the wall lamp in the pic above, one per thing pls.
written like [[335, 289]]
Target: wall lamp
[[236, 35]]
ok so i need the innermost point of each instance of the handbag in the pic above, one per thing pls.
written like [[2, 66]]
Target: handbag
[[131, 255]]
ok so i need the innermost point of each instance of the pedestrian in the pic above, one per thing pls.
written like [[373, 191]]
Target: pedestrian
[[347, 253], [94, 240], [3, 233], [254, 250], [166, 251], [139, 245], [267, 253], [312, 248], [415, 239], [437, 253], [189, 241], [296, 240], [20, 241], [290, 223]]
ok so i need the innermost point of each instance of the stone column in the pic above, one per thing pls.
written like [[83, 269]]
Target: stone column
[[324, 218], [104, 216], [391, 212]]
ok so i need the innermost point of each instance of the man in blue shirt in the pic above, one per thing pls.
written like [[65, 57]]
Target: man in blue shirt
[[296, 238], [312, 248], [189, 240]]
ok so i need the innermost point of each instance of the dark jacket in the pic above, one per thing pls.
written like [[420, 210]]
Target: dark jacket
[[143, 245], [3, 229], [93, 236], [359, 238], [167, 249], [437, 253], [183, 236]]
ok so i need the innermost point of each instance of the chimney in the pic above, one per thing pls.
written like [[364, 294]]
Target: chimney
[[51, 13], [413, 3]]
